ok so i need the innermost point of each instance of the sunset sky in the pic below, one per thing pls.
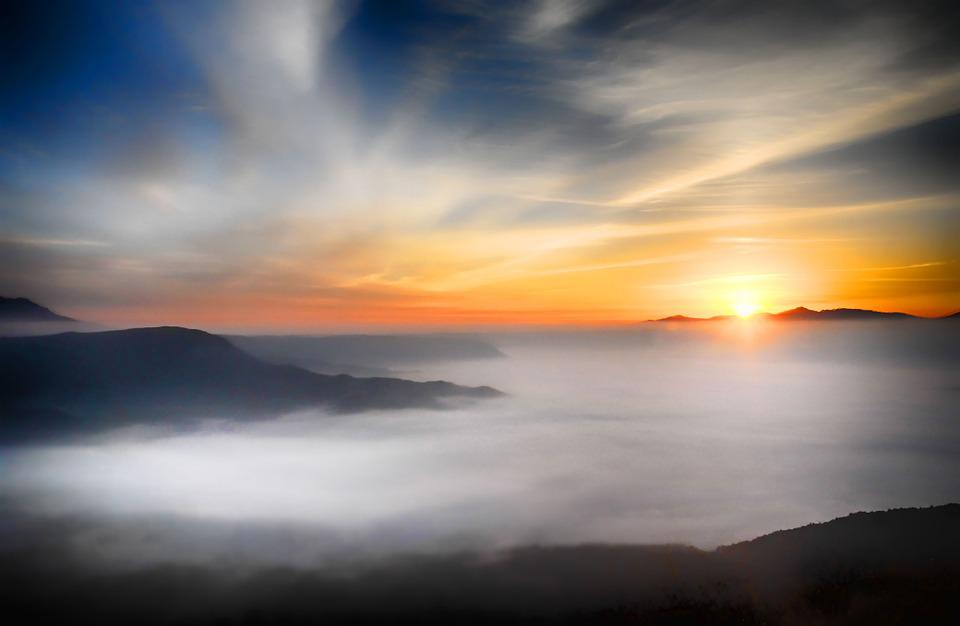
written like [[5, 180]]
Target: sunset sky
[[463, 164]]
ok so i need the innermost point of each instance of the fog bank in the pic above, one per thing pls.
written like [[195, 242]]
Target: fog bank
[[675, 437]]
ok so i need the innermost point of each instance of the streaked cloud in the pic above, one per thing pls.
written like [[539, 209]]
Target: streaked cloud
[[895, 268]]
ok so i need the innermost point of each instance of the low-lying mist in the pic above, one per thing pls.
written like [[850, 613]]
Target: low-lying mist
[[673, 435]]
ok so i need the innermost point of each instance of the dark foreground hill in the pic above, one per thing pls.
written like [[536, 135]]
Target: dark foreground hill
[[876, 569], [82, 382]]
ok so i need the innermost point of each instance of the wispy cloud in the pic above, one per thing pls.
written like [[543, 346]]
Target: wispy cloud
[[896, 268], [42, 241], [725, 280], [467, 154], [773, 241]]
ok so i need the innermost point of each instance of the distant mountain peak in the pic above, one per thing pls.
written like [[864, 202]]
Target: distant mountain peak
[[681, 318], [839, 314], [25, 310], [797, 310], [802, 313]]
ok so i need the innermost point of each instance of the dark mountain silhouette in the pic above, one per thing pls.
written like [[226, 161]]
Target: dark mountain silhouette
[[886, 568], [806, 315], [686, 318], [894, 538], [24, 310], [83, 382], [364, 354]]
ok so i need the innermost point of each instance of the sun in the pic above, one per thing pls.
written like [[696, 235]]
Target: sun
[[744, 303], [745, 309]]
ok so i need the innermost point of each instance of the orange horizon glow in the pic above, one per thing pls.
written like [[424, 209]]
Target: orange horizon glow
[[580, 277], [276, 318]]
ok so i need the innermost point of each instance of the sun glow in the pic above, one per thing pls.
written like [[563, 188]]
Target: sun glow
[[745, 304]]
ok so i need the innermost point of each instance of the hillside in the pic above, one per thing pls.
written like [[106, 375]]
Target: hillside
[[872, 569], [91, 381]]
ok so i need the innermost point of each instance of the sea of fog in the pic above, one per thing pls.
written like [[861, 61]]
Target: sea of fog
[[691, 436]]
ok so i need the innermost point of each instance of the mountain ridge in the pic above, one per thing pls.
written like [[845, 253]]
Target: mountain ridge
[[903, 568], [81, 382], [26, 310], [805, 314]]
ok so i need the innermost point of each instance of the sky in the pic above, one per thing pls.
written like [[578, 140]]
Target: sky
[[454, 164]]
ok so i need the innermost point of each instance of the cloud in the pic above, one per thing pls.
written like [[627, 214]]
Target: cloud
[[454, 150], [895, 268], [547, 17]]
